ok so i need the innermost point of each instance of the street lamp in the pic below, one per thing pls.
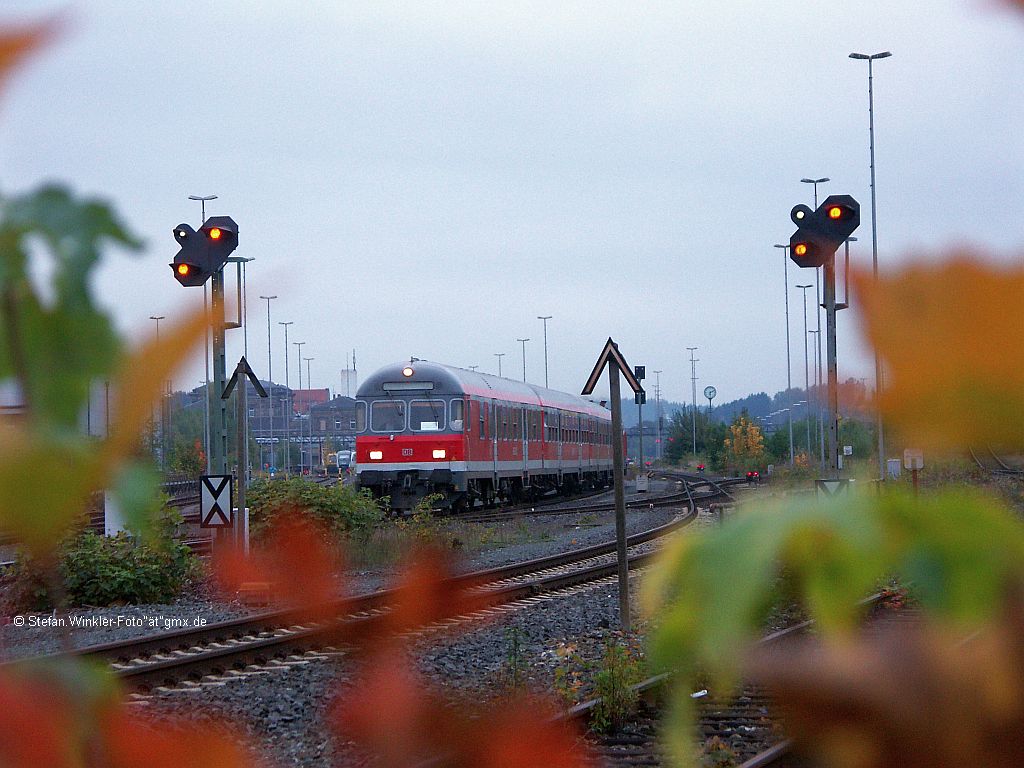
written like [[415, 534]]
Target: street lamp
[[693, 382], [657, 401], [203, 201], [819, 420], [789, 366], [288, 413], [545, 319], [523, 342], [807, 384], [499, 355], [870, 58], [270, 381], [299, 345], [309, 412], [816, 182]]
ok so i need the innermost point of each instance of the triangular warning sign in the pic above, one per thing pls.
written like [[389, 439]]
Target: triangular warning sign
[[215, 501], [831, 488], [610, 355]]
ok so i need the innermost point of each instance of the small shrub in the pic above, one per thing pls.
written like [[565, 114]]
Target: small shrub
[[620, 670], [106, 570], [341, 510]]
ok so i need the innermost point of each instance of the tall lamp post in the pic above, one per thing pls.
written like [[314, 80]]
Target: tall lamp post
[[870, 58], [270, 381], [499, 355], [807, 384], [299, 356], [657, 402], [819, 419], [545, 319], [693, 382], [288, 409], [309, 413], [523, 342], [789, 365]]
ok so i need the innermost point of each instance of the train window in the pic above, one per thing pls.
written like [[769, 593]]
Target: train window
[[426, 415], [359, 422], [387, 416], [455, 415]]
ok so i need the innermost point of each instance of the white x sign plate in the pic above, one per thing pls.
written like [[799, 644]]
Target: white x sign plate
[[215, 501]]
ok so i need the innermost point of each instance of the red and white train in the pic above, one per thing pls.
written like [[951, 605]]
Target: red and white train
[[426, 428]]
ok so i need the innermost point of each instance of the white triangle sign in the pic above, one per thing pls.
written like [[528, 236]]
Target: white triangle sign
[[832, 488]]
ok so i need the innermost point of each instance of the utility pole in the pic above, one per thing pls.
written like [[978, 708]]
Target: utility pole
[[270, 381], [693, 382]]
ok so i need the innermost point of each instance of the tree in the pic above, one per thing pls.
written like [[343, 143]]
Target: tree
[[744, 444]]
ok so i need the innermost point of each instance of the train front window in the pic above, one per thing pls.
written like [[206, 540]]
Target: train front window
[[359, 422], [426, 415], [387, 416]]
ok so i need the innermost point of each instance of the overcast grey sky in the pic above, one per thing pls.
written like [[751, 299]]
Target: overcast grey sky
[[426, 178]]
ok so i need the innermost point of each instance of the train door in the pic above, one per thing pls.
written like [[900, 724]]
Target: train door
[[524, 439], [494, 429]]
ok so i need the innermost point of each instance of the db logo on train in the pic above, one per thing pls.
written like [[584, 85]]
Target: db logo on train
[[407, 451]]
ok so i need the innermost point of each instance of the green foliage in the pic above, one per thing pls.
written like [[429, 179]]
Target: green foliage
[[515, 661], [55, 349], [620, 670], [339, 509], [963, 553], [102, 570]]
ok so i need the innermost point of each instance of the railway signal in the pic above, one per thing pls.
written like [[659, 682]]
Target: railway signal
[[820, 232], [204, 252]]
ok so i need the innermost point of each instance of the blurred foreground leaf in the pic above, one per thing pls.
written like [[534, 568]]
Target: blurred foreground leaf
[[950, 336], [713, 592]]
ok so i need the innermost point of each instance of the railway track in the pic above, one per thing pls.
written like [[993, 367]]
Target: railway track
[[747, 732], [992, 463], [190, 654]]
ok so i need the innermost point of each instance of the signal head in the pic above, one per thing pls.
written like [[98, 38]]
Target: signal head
[[188, 274], [800, 214]]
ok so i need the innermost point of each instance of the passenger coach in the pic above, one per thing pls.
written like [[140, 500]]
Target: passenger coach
[[426, 428]]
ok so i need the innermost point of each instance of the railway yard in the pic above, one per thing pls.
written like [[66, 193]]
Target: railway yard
[[549, 613]]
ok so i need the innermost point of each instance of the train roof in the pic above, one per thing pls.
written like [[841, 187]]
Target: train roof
[[437, 379]]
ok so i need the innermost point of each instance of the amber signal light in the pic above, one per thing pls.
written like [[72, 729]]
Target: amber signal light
[[183, 269], [800, 249], [215, 233]]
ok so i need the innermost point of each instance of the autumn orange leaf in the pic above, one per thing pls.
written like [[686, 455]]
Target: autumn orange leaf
[[951, 337], [37, 725], [295, 561], [424, 594], [392, 714], [15, 45], [134, 742], [912, 697]]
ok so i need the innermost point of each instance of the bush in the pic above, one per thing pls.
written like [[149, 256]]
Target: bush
[[105, 570], [340, 510]]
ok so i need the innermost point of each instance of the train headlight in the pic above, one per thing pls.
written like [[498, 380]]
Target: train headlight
[[407, 371], [440, 453], [376, 455]]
